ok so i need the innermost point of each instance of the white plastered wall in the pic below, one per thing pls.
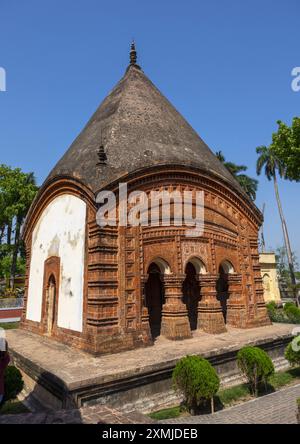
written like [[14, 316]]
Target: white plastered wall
[[60, 231]]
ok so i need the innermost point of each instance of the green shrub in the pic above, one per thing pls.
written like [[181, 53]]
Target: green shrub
[[287, 316], [291, 353], [197, 380], [13, 382], [256, 366], [292, 312], [271, 306], [278, 316], [287, 305]]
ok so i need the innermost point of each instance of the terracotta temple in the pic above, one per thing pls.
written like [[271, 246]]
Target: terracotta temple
[[112, 288]]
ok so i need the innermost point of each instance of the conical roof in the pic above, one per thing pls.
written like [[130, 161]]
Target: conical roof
[[138, 128]]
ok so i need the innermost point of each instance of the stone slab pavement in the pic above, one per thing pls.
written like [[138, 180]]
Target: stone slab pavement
[[276, 408], [86, 415], [79, 369]]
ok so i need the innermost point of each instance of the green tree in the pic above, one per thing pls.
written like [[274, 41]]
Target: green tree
[[196, 378], [256, 365], [248, 184], [272, 166], [17, 191], [286, 146], [283, 266]]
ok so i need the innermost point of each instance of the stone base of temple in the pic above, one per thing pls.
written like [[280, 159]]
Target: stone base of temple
[[59, 376], [109, 341], [210, 318]]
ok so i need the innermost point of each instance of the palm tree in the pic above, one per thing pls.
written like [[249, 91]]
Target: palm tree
[[270, 162], [248, 184]]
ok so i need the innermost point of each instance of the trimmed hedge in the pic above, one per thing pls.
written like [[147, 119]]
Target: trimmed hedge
[[197, 380], [291, 353], [256, 366]]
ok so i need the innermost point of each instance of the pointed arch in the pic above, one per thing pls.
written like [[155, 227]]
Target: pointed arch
[[198, 263], [162, 265], [227, 267]]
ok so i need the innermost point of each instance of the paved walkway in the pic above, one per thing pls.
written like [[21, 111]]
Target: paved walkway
[[86, 415], [78, 369], [277, 408]]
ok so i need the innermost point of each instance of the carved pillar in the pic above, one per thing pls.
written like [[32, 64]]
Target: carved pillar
[[210, 316], [175, 323], [236, 305], [145, 312]]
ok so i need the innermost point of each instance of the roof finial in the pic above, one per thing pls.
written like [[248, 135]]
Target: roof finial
[[132, 53]]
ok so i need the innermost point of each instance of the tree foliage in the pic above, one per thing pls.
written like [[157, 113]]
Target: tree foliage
[[269, 161], [256, 366], [197, 380], [248, 184], [286, 146], [282, 264], [283, 271], [17, 191]]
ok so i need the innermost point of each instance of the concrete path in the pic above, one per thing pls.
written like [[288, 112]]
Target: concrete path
[[86, 415], [277, 408]]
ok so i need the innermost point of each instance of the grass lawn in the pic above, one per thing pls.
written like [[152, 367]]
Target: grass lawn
[[9, 325], [172, 412], [13, 407], [236, 394], [229, 396]]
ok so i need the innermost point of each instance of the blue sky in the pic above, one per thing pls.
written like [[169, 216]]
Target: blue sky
[[225, 65]]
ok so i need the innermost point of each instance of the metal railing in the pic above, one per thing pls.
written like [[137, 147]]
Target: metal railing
[[11, 302]]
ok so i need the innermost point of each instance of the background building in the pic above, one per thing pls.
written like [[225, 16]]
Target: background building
[[269, 276]]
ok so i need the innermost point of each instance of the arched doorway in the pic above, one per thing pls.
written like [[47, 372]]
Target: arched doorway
[[225, 269], [154, 298], [51, 303], [191, 294]]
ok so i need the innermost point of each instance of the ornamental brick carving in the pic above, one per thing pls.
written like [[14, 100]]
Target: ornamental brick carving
[[115, 316]]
